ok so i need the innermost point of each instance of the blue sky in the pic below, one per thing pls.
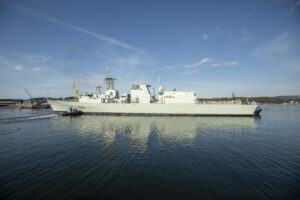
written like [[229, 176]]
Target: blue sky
[[212, 47]]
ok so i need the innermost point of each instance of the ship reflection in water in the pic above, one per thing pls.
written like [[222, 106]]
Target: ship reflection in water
[[44, 156], [140, 132]]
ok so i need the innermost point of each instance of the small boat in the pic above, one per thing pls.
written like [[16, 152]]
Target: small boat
[[72, 112]]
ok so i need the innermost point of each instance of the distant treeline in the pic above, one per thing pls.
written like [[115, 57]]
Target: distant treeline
[[272, 100]]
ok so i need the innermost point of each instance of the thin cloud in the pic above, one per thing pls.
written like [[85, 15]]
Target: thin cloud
[[35, 58], [296, 5], [232, 63], [215, 65], [169, 67], [206, 61], [205, 37], [246, 39], [201, 62], [36, 69], [18, 68], [189, 72], [3, 61], [245, 31], [14, 61], [246, 36], [204, 64], [70, 26], [293, 8], [280, 45]]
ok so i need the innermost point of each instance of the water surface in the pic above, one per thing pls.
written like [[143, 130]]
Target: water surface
[[44, 156]]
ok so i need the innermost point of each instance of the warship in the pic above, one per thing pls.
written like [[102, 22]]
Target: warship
[[140, 101]]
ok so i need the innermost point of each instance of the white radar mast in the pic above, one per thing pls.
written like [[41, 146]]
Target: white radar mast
[[109, 80]]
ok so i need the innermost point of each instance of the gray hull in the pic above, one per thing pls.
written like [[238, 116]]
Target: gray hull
[[156, 109]]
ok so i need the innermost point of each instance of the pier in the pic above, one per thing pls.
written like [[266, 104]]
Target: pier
[[35, 103]]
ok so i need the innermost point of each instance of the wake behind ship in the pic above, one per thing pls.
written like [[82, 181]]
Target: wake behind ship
[[140, 101]]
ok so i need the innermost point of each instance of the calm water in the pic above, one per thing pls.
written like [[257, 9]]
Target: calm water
[[43, 156]]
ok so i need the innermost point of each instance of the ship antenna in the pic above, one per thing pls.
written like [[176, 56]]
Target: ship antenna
[[157, 83], [107, 71]]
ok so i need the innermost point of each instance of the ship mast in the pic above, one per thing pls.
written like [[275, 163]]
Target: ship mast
[[109, 81]]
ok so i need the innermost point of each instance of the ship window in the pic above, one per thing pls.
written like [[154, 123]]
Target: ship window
[[135, 87]]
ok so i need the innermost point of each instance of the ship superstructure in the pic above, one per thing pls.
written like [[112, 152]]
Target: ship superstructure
[[140, 101]]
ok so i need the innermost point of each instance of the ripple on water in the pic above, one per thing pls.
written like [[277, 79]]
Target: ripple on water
[[150, 157]]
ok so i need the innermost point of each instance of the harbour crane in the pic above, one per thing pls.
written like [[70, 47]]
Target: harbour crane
[[31, 99], [76, 89]]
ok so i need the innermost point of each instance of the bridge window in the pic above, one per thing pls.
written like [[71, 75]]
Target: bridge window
[[135, 87]]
